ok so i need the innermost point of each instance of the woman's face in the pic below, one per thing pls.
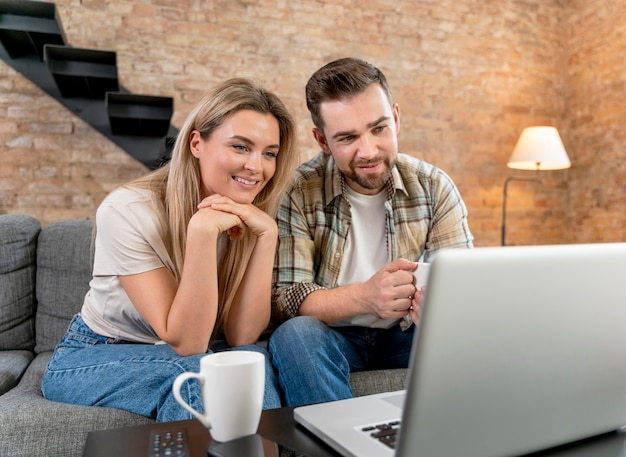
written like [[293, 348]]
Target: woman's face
[[239, 158]]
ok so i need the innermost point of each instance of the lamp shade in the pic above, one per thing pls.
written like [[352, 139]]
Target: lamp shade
[[539, 148]]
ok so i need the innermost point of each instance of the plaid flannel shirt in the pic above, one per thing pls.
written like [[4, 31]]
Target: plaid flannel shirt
[[424, 212]]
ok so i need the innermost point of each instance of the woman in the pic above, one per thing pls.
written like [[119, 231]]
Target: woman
[[184, 257]]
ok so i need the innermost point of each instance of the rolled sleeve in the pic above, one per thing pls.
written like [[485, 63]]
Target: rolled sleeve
[[305, 236], [293, 265], [287, 301]]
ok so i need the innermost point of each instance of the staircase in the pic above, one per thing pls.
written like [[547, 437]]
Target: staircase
[[85, 81]]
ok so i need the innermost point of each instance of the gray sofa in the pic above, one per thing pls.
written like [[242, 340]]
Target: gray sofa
[[44, 275]]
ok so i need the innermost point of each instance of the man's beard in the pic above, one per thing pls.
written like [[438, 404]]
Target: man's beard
[[371, 182]]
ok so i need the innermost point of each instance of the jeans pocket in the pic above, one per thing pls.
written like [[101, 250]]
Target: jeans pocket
[[79, 335]]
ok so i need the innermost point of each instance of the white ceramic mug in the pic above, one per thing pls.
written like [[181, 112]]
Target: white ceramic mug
[[421, 274], [233, 384]]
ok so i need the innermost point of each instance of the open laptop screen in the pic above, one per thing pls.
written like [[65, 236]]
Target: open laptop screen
[[519, 349]]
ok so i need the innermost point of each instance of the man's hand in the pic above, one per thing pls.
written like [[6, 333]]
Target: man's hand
[[390, 293], [415, 310]]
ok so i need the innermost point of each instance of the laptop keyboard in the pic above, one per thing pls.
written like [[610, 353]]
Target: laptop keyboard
[[385, 433]]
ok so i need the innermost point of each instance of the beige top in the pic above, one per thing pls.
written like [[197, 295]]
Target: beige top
[[128, 241]]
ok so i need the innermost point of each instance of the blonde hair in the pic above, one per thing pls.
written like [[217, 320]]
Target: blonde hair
[[176, 185]]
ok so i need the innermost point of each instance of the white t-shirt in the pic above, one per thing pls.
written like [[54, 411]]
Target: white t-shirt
[[365, 251], [128, 241]]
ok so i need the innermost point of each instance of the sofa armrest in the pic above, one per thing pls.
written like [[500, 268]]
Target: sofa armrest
[[18, 246]]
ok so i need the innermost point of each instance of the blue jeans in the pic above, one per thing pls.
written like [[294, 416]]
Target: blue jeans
[[89, 369], [314, 361]]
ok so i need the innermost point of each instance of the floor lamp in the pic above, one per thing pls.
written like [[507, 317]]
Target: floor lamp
[[538, 148]]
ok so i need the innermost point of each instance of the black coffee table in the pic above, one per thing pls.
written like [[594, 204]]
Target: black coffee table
[[277, 425]]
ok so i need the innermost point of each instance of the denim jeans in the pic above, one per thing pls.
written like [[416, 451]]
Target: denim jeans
[[314, 361], [89, 369]]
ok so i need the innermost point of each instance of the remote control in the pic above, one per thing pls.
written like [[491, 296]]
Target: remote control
[[168, 443]]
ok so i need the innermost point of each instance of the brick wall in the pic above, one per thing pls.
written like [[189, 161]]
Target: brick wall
[[469, 75], [596, 118]]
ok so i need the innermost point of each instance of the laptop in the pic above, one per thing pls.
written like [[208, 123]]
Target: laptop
[[520, 349]]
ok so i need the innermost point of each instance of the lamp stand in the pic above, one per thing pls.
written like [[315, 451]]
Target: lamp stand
[[504, 194]]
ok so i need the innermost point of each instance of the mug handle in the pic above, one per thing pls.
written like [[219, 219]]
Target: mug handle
[[178, 382]]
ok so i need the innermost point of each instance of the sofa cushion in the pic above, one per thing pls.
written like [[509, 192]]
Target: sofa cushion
[[64, 269], [12, 366], [378, 381], [30, 425], [18, 242]]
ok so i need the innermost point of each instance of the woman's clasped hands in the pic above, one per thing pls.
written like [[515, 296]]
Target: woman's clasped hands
[[235, 218]]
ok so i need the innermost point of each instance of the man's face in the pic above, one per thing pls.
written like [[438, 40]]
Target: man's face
[[362, 135]]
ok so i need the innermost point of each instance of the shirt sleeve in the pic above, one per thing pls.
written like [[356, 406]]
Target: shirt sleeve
[[449, 226], [294, 268], [122, 234]]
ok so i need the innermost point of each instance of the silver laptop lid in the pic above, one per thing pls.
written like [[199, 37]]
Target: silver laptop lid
[[520, 349]]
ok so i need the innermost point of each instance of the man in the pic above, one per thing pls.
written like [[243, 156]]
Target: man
[[351, 228]]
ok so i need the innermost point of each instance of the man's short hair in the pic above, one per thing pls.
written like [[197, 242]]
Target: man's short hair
[[341, 79]]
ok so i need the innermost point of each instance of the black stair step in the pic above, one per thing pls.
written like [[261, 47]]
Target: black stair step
[[144, 115], [86, 73], [26, 26], [138, 124]]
